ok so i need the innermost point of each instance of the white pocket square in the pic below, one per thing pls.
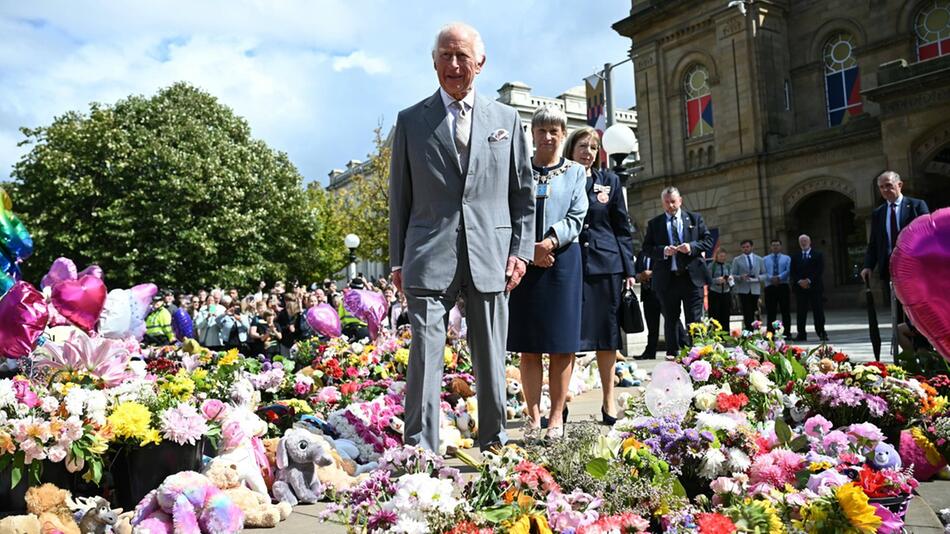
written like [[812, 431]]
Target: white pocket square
[[498, 135]]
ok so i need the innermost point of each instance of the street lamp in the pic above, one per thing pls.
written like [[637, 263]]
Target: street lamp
[[352, 242], [619, 142], [608, 89]]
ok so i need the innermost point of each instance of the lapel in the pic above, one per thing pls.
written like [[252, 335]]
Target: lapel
[[479, 136], [591, 180], [435, 115], [905, 213]]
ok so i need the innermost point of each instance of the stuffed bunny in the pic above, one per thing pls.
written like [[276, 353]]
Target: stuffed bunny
[[187, 502], [299, 454]]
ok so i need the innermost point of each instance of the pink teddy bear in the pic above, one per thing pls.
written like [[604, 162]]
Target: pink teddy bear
[[187, 503]]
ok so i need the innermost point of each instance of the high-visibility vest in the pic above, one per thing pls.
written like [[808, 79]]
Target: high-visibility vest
[[159, 323], [346, 317]]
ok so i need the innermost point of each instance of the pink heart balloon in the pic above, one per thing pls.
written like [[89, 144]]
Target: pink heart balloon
[[920, 270], [62, 269], [324, 319], [81, 300], [92, 270], [23, 318], [368, 306]]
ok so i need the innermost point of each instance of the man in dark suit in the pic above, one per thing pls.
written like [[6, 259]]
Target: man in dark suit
[[806, 274], [675, 242], [651, 306], [887, 221]]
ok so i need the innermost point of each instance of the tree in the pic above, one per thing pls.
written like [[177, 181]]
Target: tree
[[366, 203], [329, 252], [170, 189]]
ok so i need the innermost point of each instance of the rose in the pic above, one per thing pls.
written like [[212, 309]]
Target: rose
[[700, 370], [760, 382], [24, 394], [213, 409], [705, 401]]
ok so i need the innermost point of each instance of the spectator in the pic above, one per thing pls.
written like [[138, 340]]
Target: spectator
[[287, 322], [158, 324], [169, 298], [320, 296], [206, 324], [399, 312], [233, 328], [720, 289], [195, 306]]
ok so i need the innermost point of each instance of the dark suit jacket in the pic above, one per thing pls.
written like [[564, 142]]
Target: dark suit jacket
[[813, 269], [695, 233], [877, 254], [606, 240]]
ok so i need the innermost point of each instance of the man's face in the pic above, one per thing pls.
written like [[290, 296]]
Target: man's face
[[746, 248], [804, 242], [890, 189], [671, 203], [233, 293], [389, 294], [456, 64], [776, 247], [169, 299]]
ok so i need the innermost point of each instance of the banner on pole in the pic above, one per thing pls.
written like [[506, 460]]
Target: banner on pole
[[597, 109]]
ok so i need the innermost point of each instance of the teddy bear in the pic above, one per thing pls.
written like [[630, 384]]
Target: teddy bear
[[187, 502], [467, 418], [885, 457], [49, 504], [258, 510], [20, 524], [342, 473], [514, 404]]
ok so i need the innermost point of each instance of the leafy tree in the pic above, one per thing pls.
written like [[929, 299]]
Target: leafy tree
[[330, 255], [366, 203], [170, 189]]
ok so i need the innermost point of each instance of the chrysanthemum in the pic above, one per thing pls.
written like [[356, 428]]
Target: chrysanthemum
[[183, 424], [130, 420]]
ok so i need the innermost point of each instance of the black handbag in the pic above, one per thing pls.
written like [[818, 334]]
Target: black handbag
[[631, 318]]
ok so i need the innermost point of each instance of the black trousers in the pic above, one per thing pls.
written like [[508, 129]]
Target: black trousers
[[680, 294], [806, 299], [651, 315], [720, 308], [750, 305], [777, 299]]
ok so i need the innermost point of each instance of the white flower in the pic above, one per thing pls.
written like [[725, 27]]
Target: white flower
[[357, 348], [705, 401], [96, 407], [49, 404], [410, 525], [716, 421], [739, 461], [712, 464], [760, 382], [56, 453], [75, 400], [7, 394]]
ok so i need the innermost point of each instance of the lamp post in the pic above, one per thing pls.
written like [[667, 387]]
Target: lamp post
[[608, 89], [352, 242], [619, 142]]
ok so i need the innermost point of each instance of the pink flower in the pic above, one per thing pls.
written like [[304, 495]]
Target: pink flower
[[183, 424], [24, 394], [328, 394], [105, 359], [301, 388], [817, 426], [214, 410], [56, 453], [700, 370]]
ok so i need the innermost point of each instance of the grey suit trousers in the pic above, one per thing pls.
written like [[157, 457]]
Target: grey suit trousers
[[487, 318]]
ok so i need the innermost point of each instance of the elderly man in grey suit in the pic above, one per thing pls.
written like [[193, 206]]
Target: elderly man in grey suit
[[748, 270], [461, 221]]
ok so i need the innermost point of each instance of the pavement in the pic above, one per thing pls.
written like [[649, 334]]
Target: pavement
[[848, 333]]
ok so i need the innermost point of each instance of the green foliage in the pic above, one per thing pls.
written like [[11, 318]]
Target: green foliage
[[365, 203], [170, 189], [329, 255], [922, 362]]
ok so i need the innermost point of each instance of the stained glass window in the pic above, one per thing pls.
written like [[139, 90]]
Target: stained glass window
[[932, 27], [842, 79], [699, 108]]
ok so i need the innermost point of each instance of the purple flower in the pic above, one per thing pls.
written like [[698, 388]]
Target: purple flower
[[822, 483], [817, 426], [835, 442], [876, 405], [183, 424], [700, 370], [381, 520]]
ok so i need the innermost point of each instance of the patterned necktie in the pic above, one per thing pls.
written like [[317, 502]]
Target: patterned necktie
[[463, 129], [675, 227], [774, 264], [894, 228], [748, 258]]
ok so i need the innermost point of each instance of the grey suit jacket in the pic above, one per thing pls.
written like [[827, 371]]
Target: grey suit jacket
[[431, 200], [740, 266]]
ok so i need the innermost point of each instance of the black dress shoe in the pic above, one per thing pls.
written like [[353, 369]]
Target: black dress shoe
[[801, 337], [823, 337], [608, 419]]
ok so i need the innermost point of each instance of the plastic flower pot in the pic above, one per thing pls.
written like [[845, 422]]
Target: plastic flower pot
[[137, 471], [897, 504], [13, 500]]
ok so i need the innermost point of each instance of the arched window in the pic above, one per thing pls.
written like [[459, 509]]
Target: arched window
[[932, 27], [842, 79], [699, 108]]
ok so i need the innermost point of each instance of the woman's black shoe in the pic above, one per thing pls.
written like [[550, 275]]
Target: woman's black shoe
[[608, 419], [544, 420]]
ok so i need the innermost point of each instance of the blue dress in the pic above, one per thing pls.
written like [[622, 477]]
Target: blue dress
[[545, 308]]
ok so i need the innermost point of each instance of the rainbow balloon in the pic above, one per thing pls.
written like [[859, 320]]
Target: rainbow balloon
[[16, 244]]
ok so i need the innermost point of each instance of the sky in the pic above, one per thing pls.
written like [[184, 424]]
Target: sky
[[313, 78]]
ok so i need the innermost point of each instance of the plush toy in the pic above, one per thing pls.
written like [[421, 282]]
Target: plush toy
[[187, 502], [241, 445], [341, 474], [20, 524], [98, 518], [49, 504], [885, 457], [514, 403], [258, 510], [458, 388], [298, 456], [624, 372], [467, 418]]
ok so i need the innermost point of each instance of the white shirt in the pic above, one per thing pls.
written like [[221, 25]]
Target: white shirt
[[451, 111], [670, 229], [887, 218]]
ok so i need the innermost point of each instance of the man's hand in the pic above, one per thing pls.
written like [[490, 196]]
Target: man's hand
[[866, 275], [683, 247], [545, 261], [775, 280], [397, 280], [630, 281], [514, 271], [644, 276], [669, 250], [804, 283]]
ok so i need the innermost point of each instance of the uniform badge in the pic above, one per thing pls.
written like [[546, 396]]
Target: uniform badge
[[603, 197]]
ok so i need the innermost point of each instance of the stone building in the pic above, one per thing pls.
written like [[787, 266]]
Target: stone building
[[774, 117]]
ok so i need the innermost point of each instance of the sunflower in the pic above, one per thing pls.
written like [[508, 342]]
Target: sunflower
[[854, 503]]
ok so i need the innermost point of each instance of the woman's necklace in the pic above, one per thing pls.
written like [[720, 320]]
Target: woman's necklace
[[544, 175]]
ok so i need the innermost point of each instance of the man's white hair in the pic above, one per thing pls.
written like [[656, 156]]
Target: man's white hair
[[889, 176], [479, 45]]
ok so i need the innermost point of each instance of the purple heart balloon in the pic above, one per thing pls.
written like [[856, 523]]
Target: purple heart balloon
[[62, 269], [368, 306], [23, 317], [324, 320], [182, 324]]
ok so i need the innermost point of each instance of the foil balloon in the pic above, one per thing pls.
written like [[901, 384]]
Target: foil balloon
[[92, 270], [23, 317], [920, 270], [14, 239], [61, 269], [81, 301], [9, 273], [182, 324], [324, 320], [670, 391], [141, 299], [115, 321], [367, 306]]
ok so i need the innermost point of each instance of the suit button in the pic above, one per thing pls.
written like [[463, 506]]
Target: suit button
[[586, 245], [586, 226]]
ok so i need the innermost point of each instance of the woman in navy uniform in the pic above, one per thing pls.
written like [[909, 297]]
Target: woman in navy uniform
[[607, 259]]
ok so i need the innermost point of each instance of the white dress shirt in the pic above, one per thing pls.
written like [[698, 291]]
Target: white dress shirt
[[451, 111], [887, 218]]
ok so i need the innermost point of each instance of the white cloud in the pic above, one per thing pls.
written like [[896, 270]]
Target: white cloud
[[360, 60]]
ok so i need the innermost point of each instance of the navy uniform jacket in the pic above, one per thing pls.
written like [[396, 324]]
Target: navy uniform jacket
[[877, 252], [813, 269], [606, 239], [695, 233]]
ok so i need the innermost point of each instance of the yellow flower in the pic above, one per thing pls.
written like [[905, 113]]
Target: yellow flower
[[630, 443], [815, 467], [199, 374], [130, 420], [151, 436], [300, 406], [6, 443], [229, 358], [854, 503], [529, 524], [402, 356], [706, 351], [448, 357], [931, 452], [715, 324], [775, 522], [697, 329]]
